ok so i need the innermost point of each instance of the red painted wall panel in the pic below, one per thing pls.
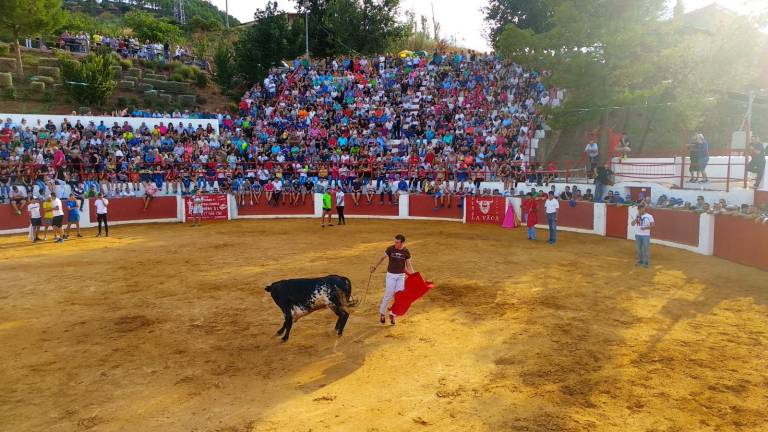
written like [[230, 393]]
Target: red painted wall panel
[[10, 220], [616, 221], [761, 197], [581, 216], [375, 209], [308, 208], [129, 209], [741, 240], [676, 226], [421, 205]]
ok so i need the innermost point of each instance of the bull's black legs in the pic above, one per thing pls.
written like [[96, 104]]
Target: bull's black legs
[[342, 321], [287, 326], [282, 329]]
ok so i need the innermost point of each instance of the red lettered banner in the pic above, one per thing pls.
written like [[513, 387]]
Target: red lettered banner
[[214, 207], [488, 210]]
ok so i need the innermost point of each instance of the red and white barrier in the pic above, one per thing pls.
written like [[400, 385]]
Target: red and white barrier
[[730, 237]]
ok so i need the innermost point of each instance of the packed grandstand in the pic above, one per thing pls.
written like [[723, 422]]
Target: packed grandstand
[[449, 124]]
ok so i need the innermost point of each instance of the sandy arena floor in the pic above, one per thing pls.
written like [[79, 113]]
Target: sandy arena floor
[[167, 328]]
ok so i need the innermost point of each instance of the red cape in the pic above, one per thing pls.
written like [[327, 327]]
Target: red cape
[[415, 287]]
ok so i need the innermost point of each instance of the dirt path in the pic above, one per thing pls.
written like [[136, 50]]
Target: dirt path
[[168, 328]]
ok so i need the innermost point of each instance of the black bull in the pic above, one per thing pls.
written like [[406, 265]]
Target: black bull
[[299, 297]]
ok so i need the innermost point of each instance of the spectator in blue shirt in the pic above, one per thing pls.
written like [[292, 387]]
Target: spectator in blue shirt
[[73, 214]]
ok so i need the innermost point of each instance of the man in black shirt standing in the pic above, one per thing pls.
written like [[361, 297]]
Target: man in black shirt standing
[[756, 165], [399, 262], [604, 178]]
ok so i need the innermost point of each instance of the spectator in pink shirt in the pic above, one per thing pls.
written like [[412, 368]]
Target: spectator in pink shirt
[[58, 163], [150, 191]]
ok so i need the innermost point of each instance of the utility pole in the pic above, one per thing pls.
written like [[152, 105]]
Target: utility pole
[[306, 33], [226, 12]]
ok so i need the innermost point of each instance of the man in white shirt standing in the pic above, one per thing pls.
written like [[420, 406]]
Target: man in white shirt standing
[[644, 223], [101, 204], [340, 206], [551, 206], [593, 156], [58, 218], [35, 218]]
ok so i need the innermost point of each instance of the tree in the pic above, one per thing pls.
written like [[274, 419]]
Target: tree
[[525, 14], [262, 45], [88, 81], [613, 53], [679, 9], [145, 26], [223, 66], [350, 26], [28, 18]]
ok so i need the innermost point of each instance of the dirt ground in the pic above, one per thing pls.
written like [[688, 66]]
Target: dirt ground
[[168, 328]]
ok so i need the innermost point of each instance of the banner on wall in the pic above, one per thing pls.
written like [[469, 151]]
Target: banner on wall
[[215, 207], [488, 210]]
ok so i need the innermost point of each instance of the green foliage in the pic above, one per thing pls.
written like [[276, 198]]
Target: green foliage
[[126, 63], [348, 26], [9, 93], [201, 81], [223, 66], [89, 81], [122, 101], [147, 27], [524, 14], [4, 49], [27, 18], [176, 76], [78, 22], [611, 53], [262, 45], [200, 24]]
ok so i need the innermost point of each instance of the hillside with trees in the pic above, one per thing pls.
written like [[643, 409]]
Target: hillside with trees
[[634, 67]]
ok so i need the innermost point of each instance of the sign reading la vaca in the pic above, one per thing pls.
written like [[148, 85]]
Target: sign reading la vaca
[[488, 210]]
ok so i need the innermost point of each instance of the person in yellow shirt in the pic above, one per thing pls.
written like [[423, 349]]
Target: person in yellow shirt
[[47, 215]]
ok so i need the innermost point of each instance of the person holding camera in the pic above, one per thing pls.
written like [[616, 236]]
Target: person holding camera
[[644, 222]]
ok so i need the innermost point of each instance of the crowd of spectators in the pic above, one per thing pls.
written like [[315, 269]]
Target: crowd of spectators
[[450, 122], [374, 127]]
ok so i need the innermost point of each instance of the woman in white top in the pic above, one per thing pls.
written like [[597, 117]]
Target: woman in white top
[[101, 204]]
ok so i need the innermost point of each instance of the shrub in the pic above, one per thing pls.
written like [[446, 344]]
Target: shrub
[[7, 65], [48, 61], [89, 81], [52, 72], [187, 100], [5, 49], [48, 96], [176, 76], [122, 101], [45, 79], [202, 80], [125, 64], [9, 92], [116, 71], [37, 87], [6, 80], [135, 72], [126, 85]]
